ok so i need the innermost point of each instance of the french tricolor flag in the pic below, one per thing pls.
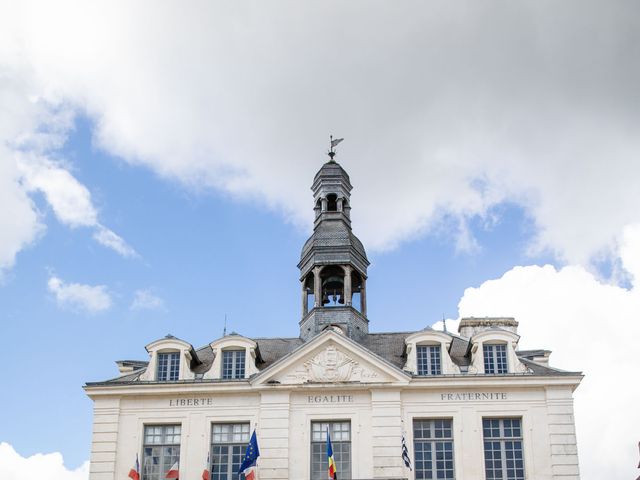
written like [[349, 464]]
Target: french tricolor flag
[[205, 473], [173, 472], [134, 473]]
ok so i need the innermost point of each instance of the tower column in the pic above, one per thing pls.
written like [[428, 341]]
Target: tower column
[[317, 287], [324, 204], [347, 285], [305, 303], [363, 297]]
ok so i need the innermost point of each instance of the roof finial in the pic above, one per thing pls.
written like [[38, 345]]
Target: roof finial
[[224, 332], [444, 323], [333, 143]]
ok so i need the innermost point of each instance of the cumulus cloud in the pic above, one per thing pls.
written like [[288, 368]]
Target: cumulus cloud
[[92, 299], [455, 108], [34, 125], [147, 300], [19, 221], [591, 327], [43, 466], [69, 199]]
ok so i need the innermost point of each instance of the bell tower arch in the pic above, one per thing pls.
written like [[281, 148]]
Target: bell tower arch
[[333, 263]]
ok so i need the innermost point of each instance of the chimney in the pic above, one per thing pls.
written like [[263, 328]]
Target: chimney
[[469, 326]]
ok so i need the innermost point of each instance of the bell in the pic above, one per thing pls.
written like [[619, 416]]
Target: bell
[[335, 298], [325, 299], [341, 300]]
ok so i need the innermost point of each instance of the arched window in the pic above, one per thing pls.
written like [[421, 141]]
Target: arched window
[[332, 202], [332, 279]]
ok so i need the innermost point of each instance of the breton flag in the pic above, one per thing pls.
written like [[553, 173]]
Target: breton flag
[[173, 472], [335, 142], [205, 473], [333, 474], [248, 465], [134, 473], [405, 454]]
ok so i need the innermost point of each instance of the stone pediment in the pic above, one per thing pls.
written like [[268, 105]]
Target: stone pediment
[[331, 358]]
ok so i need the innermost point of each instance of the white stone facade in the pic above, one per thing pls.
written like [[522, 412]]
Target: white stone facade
[[333, 378]]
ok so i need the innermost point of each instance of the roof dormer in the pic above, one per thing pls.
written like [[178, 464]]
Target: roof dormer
[[428, 353], [493, 352], [170, 359], [235, 357]]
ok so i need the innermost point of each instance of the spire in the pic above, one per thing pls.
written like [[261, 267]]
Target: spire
[[333, 263]]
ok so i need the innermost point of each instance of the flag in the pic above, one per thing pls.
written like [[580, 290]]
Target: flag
[[134, 473], [335, 142], [405, 454], [249, 463], [173, 472], [333, 474], [205, 473]]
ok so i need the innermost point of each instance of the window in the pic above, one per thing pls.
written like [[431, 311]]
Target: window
[[168, 366], [503, 448], [495, 358], [433, 448], [340, 443], [233, 364], [228, 447], [428, 360], [161, 450]]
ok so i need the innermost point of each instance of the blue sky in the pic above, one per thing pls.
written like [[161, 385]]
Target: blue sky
[[154, 176], [204, 255]]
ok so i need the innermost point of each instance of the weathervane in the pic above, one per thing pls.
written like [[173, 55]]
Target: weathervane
[[334, 143]]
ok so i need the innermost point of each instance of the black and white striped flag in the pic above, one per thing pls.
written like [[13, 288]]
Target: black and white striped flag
[[405, 454]]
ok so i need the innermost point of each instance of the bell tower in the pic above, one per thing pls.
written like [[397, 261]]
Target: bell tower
[[333, 263]]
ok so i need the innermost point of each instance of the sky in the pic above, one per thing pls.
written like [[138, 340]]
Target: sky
[[156, 159]]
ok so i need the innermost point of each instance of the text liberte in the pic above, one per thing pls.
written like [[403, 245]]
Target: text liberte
[[191, 402]]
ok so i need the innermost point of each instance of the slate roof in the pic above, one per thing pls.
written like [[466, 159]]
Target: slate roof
[[389, 346], [332, 169], [333, 235]]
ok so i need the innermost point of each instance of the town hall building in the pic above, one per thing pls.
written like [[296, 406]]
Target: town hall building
[[468, 406]]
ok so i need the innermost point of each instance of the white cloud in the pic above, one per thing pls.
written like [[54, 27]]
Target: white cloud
[[147, 300], [92, 299], [111, 240], [591, 327], [47, 466], [19, 222], [527, 100], [34, 125], [69, 199]]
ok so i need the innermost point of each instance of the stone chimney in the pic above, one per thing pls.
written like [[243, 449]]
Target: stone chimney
[[469, 326]]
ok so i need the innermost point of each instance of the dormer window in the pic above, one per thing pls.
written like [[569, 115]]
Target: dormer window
[[168, 367], [495, 357], [233, 364], [429, 359]]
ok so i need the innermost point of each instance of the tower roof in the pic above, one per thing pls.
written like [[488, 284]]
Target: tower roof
[[333, 242], [332, 170]]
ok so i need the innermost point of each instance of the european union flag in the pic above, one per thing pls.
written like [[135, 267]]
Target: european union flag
[[252, 454]]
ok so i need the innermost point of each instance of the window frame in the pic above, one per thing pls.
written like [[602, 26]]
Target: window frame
[[162, 445], [434, 442], [503, 440], [238, 356], [168, 371], [338, 445], [495, 358], [425, 365], [242, 442]]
